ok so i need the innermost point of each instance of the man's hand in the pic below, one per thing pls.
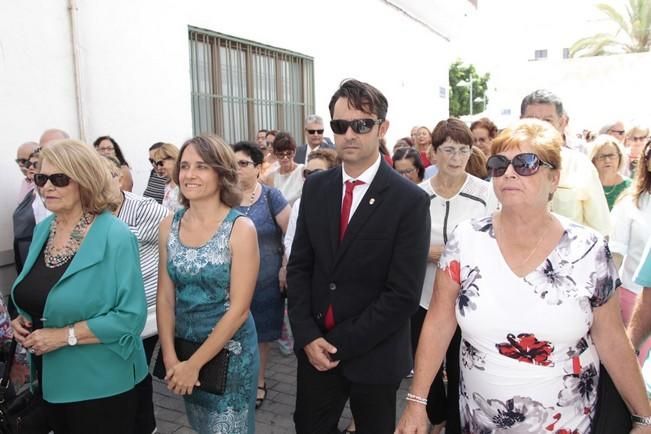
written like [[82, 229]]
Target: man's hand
[[318, 353]]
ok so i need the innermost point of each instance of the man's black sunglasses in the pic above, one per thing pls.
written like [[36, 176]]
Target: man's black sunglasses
[[315, 131], [526, 164], [57, 179], [360, 126]]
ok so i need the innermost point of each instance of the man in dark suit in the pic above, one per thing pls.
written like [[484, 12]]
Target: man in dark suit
[[314, 135], [355, 273]]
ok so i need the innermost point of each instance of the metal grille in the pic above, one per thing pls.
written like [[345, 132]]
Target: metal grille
[[239, 87]]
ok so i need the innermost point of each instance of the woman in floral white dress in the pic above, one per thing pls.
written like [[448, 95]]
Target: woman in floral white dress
[[533, 295]]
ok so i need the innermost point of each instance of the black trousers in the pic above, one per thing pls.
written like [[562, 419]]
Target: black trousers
[[321, 397], [145, 419], [111, 415], [442, 406]]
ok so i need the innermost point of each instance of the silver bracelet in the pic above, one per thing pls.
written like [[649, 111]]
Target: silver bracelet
[[641, 420], [415, 398]]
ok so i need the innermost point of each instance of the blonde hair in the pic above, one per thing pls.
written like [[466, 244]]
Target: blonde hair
[[166, 150], [603, 140], [218, 155], [545, 140], [84, 166]]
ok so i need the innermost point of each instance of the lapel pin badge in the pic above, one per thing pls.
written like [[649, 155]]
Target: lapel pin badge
[[371, 201]]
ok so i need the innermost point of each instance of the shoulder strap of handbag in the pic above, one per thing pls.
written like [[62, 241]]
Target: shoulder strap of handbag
[[9, 362]]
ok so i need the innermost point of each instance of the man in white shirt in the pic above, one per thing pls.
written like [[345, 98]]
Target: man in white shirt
[[579, 196], [314, 136]]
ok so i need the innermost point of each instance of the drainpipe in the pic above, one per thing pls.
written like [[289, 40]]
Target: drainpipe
[[72, 9]]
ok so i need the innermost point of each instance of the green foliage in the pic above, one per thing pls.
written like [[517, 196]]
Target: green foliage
[[460, 95], [633, 33]]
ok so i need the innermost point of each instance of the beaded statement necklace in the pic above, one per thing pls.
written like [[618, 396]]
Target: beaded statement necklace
[[248, 208], [57, 257]]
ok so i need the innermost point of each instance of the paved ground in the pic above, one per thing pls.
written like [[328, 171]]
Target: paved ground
[[275, 415]]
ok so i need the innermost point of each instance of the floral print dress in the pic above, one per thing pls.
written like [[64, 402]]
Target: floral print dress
[[202, 277], [528, 362]]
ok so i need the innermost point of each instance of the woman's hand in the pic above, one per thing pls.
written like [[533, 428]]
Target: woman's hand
[[22, 328], [413, 420], [43, 341], [182, 378], [282, 278]]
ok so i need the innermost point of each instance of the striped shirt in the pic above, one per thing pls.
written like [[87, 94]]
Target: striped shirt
[[143, 216], [155, 187]]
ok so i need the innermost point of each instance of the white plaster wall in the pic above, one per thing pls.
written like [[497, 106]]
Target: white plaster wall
[[594, 90], [135, 67]]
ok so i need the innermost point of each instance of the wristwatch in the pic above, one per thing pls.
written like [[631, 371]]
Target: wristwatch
[[641, 420], [72, 337]]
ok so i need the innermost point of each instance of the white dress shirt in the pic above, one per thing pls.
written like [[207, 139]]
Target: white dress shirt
[[359, 191]]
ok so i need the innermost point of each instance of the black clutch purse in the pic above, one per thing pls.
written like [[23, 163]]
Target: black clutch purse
[[612, 415], [213, 374]]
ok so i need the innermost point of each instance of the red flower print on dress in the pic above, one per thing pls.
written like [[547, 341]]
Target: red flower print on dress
[[454, 271], [527, 348]]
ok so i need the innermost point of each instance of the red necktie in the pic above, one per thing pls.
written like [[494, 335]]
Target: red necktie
[[343, 225], [345, 207]]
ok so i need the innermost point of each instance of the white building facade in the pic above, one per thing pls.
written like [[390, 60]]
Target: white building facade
[[137, 71]]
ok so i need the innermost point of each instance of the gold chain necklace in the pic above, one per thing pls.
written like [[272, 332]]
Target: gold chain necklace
[[534, 248]]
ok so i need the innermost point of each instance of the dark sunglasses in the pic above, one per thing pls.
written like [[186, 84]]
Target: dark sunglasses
[[22, 161], [57, 179], [526, 164], [308, 172], [315, 131], [29, 164], [360, 126], [161, 163], [245, 163]]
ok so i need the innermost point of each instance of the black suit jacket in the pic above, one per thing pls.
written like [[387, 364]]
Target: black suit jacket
[[373, 279], [299, 156]]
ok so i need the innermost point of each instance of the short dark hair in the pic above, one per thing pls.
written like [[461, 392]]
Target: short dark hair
[[116, 147], [283, 142], [262, 131], [453, 128], [486, 124], [251, 150], [156, 146], [410, 154], [542, 96], [361, 96]]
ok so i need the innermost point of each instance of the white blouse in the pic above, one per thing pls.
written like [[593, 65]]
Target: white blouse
[[475, 199], [290, 184], [631, 230]]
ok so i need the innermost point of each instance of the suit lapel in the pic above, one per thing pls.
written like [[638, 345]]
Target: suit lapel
[[333, 206], [371, 201], [92, 248]]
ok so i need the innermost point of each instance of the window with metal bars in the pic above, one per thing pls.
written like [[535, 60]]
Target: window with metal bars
[[239, 87]]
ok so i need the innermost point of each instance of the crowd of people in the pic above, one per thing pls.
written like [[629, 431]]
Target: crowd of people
[[508, 271]]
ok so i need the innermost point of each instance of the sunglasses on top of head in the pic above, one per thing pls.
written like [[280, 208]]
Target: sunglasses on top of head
[[359, 126], [526, 164], [57, 179]]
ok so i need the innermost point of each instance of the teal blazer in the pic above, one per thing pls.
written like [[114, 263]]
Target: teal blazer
[[102, 285]]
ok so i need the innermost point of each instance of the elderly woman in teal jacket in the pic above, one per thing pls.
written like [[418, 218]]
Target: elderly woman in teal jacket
[[81, 298]]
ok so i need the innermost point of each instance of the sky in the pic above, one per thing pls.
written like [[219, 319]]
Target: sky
[[505, 31]]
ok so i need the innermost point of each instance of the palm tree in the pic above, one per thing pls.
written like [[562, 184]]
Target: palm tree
[[632, 36]]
